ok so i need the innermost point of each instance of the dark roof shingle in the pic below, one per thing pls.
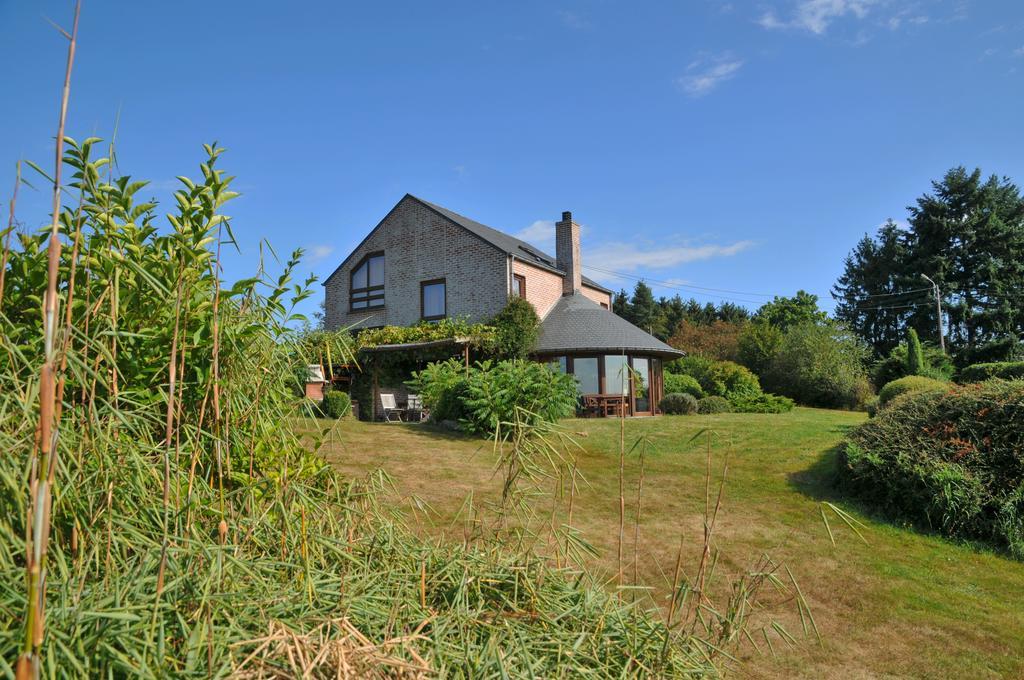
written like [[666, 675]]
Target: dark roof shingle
[[504, 242], [578, 324]]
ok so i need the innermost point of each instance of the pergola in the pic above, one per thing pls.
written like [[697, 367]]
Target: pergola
[[460, 344]]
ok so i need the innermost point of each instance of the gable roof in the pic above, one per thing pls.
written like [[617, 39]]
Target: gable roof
[[510, 245], [578, 324]]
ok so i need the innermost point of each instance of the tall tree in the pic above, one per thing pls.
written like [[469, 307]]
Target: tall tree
[[646, 312], [968, 235], [674, 311], [620, 305], [786, 312], [871, 295]]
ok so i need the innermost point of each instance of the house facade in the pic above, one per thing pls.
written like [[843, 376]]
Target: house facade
[[423, 262]]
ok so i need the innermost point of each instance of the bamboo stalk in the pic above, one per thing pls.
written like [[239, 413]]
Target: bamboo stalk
[[639, 508], [622, 482], [10, 230], [29, 663]]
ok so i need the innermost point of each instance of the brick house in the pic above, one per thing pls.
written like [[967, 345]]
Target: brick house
[[423, 262]]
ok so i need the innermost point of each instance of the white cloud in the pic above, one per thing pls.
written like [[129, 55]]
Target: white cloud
[[541, 233], [705, 74], [316, 253], [1019, 52], [627, 257], [816, 15]]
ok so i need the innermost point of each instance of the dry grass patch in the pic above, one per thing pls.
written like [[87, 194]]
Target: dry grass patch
[[904, 604]]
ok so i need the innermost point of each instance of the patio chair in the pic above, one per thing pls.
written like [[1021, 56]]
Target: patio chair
[[414, 408], [591, 406], [390, 408]]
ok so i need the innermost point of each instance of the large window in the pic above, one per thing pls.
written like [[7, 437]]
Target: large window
[[616, 374], [642, 384], [519, 285], [367, 283], [586, 371], [433, 300]]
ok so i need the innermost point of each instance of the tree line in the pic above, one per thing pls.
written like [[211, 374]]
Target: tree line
[[965, 237]]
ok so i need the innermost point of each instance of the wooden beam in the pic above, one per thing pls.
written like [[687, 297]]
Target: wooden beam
[[373, 395]]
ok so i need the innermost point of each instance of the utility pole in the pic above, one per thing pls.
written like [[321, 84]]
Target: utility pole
[[938, 310]]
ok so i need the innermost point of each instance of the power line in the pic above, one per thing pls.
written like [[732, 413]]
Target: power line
[[686, 288], [906, 292]]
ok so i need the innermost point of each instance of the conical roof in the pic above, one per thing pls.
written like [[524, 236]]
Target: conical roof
[[578, 324]]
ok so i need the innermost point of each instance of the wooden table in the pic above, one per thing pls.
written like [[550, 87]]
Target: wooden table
[[606, 404]]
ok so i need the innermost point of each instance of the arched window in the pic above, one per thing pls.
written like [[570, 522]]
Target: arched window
[[367, 283]]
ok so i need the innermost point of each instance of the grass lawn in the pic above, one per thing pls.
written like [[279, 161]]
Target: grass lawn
[[903, 605]]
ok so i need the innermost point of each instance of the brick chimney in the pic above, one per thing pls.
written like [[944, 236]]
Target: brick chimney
[[567, 253]]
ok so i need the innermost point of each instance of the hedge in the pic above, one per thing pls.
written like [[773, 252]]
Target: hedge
[[335, 404], [951, 461], [714, 405], [1007, 370], [911, 383]]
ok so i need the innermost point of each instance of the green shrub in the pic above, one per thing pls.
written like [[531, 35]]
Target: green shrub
[[820, 365], [515, 329], [492, 393], [678, 404], [937, 365], [915, 355], [910, 383], [517, 391], [714, 405], [676, 383], [950, 460], [762, 403], [871, 407], [759, 342], [717, 378], [435, 383], [1007, 370], [335, 404]]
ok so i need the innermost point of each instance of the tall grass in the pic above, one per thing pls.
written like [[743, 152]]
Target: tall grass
[[179, 526]]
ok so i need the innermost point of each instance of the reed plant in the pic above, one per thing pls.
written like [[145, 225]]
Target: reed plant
[[161, 516]]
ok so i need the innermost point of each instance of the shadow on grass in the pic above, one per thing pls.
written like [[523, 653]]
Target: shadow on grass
[[819, 481]]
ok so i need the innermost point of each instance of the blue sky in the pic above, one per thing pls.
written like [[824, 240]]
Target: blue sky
[[725, 145]]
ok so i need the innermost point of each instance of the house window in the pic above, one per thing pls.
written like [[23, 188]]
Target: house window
[[433, 299], [587, 374], [616, 374], [604, 305], [519, 285], [367, 283]]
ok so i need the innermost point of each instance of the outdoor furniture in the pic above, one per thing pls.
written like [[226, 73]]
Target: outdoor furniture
[[390, 408], [414, 408], [611, 404], [591, 405], [603, 405]]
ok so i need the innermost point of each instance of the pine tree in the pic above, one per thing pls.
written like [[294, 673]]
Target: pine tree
[[871, 297], [645, 311], [674, 312], [620, 305]]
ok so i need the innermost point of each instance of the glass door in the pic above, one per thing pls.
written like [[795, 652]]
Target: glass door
[[641, 386]]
